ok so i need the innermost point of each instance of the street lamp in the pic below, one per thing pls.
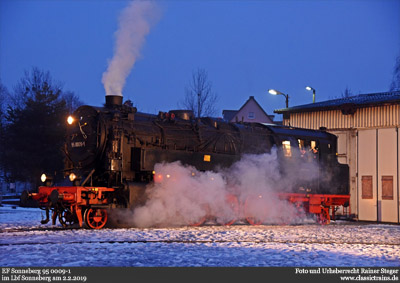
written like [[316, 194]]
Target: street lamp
[[277, 92], [313, 93]]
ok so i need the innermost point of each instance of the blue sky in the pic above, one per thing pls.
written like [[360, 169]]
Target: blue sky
[[247, 47]]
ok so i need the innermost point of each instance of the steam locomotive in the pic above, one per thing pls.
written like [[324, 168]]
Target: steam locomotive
[[111, 153]]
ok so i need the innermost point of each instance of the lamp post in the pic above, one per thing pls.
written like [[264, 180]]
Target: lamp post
[[277, 92], [313, 93]]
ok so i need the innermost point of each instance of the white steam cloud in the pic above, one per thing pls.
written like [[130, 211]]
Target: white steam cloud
[[135, 22], [246, 190]]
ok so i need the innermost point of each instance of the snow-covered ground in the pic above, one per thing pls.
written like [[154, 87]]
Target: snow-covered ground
[[24, 242]]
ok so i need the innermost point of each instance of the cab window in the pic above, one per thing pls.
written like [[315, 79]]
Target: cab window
[[302, 147], [287, 151], [314, 147]]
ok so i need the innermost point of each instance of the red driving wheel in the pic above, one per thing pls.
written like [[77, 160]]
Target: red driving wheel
[[199, 222], [251, 219], [201, 219], [96, 218], [233, 202]]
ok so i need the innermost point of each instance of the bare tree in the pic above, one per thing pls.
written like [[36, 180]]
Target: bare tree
[[347, 93], [72, 101], [3, 99], [199, 96], [395, 85]]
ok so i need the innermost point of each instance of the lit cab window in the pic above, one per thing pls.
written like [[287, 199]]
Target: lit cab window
[[286, 148], [207, 158], [302, 147], [314, 147]]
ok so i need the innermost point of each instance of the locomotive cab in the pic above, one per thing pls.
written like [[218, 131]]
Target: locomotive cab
[[309, 157]]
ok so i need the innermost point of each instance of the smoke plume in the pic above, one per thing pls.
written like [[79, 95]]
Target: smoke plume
[[135, 22], [248, 189]]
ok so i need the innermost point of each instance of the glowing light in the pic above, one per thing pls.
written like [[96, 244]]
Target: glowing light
[[70, 120], [72, 177], [308, 88], [43, 178], [168, 176], [286, 148], [158, 178], [273, 91]]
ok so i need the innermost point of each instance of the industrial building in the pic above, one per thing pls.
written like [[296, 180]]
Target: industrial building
[[367, 126]]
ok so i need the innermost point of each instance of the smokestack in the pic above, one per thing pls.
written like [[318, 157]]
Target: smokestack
[[113, 100]]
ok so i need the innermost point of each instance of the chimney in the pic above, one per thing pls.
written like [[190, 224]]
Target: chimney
[[113, 100]]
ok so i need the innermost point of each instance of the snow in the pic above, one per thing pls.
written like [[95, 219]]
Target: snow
[[25, 242]]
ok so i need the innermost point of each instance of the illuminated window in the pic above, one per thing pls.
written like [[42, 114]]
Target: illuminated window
[[313, 144], [251, 115], [314, 147], [302, 147], [207, 158], [286, 148], [301, 143]]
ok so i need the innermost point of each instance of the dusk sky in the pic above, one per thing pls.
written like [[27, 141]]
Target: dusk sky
[[247, 47]]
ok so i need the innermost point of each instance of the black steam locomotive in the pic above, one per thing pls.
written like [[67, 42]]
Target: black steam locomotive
[[111, 152]]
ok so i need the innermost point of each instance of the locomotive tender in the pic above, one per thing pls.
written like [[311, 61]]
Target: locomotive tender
[[111, 152]]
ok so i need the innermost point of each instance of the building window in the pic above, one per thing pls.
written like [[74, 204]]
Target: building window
[[366, 187], [251, 115], [387, 187]]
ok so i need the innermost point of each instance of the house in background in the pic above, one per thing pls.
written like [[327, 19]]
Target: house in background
[[251, 111]]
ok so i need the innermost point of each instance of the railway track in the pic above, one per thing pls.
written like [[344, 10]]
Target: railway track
[[337, 241], [197, 242]]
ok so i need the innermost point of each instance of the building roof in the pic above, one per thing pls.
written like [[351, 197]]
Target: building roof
[[229, 114], [262, 109], [346, 103], [250, 105]]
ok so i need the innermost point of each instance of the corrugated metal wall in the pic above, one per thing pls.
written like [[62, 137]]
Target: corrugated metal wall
[[379, 116], [369, 138]]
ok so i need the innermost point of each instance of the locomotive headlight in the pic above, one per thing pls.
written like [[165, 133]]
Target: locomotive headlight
[[43, 178], [72, 177], [70, 120], [47, 180]]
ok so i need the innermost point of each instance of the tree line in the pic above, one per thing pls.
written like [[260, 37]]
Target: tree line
[[33, 126]]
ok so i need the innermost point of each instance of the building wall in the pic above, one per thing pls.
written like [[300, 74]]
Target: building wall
[[369, 142], [379, 116]]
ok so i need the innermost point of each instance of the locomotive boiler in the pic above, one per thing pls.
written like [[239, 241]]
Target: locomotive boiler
[[111, 152]]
